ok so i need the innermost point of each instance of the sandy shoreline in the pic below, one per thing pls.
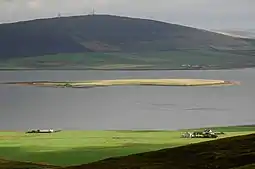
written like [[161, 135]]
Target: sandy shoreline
[[123, 82]]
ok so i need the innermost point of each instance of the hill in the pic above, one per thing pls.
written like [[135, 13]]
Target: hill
[[248, 34], [112, 42], [227, 153]]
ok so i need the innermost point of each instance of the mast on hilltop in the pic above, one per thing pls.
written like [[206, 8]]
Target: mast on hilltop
[[92, 12]]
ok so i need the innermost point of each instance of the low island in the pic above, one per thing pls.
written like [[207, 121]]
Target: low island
[[130, 82]]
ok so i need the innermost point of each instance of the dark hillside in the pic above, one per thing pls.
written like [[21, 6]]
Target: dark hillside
[[103, 33], [227, 153], [32, 39], [6, 164]]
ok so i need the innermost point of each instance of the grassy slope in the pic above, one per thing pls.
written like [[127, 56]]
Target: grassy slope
[[79, 147], [225, 153], [149, 60]]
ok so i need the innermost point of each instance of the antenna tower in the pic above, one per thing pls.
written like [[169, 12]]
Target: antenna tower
[[93, 12]]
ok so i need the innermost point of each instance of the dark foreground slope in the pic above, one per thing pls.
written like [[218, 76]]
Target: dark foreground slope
[[249, 166], [228, 153], [6, 164], [103, 33]]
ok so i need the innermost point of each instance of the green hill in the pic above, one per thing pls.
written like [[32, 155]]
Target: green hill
[[234, 152], [113, 42]]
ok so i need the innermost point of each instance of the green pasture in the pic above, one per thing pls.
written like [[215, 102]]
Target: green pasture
[[67, 148]]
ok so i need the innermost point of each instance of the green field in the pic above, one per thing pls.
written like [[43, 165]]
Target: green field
[[78, 147], [176, 59]]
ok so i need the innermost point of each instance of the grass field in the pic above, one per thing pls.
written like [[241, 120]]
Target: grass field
[[175, 59], [78, 147]]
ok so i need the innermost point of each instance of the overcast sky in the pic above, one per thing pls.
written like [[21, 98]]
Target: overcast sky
[[209, 14]]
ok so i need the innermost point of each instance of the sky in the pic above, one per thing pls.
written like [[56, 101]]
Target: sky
[[208, 14]]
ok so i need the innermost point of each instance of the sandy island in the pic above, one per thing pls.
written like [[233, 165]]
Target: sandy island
[[122, 82]]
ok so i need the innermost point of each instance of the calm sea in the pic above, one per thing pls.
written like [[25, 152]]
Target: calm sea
[[129, 107]]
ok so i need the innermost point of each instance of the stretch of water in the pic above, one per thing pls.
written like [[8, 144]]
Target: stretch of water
[[126, 107]]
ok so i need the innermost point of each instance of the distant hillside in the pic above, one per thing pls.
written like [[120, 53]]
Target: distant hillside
[[248, 34], [228, 153], [121, 38], [103, 33]]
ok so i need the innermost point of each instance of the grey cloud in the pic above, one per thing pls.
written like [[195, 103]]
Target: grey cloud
[[198, 13]]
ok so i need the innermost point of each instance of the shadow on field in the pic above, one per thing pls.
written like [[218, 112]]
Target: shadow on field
[[228, 153], [6, 164], [76, 156]]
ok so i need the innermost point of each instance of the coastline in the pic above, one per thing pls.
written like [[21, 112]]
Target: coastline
[[127, 69]]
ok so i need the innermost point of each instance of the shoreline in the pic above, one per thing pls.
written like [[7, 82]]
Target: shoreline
[[252, 125], [127, 69]]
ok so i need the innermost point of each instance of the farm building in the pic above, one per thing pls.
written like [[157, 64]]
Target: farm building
[[43, 131], [207, 133]]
